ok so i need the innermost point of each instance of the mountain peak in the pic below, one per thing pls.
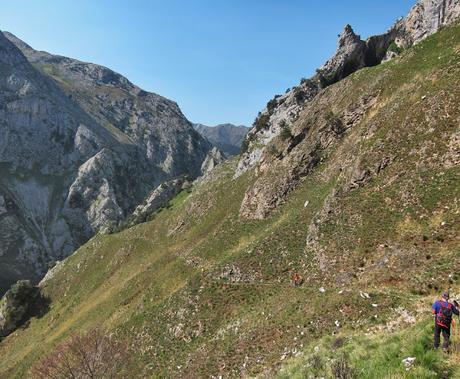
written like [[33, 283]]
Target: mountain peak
[[348, 36], [16, 41]]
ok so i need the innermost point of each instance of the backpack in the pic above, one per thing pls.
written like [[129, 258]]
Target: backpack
[[445, 314]]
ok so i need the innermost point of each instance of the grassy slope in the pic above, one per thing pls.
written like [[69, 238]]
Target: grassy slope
[[161, 284]]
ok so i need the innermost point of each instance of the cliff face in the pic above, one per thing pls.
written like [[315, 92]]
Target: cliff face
[[424, 19], [80, 148], [427, 16]]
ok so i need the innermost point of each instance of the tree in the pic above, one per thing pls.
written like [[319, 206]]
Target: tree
[[93, 355]]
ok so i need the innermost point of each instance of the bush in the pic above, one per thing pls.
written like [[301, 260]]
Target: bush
[[244, 146], [307, 82], [285, 133], [325, 79], [395, 48], [91, 355], [271, 105], [299, 95], [261, 121], [272, 150], [341, 368], [21, 302], [316, 363]]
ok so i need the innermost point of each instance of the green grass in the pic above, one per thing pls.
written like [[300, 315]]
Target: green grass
[[162, 284], [376, 356]]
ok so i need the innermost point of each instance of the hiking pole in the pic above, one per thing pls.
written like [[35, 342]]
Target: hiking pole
[[455, 333], [455, 340]]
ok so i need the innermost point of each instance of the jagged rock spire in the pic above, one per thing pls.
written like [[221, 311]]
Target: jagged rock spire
[[348, 36]]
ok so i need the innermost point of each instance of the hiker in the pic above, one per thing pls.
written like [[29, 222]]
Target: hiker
[[443, 312]]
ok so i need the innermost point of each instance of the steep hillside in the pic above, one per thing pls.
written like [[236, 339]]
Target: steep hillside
[[226, 137], [359, 196], [425, 18], [150, 121], [80, 148]]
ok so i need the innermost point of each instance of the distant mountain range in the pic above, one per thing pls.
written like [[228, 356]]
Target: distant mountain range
[[226, 137]]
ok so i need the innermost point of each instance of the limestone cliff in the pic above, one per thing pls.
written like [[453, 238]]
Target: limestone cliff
[[353, 53], [80, 148]]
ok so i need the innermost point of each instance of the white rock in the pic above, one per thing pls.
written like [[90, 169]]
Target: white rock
[[364, 295], [409, 361]]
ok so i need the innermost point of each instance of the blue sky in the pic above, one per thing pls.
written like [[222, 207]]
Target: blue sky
[[220, 60]]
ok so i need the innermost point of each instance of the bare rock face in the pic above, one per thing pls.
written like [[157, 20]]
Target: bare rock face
[[295, 157], [80, 148], [352, 54], [214, 158], [427, 16], [158, 198]]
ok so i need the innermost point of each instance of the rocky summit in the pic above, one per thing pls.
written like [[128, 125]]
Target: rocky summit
[[226, 137], [80, 148], [424, 19]]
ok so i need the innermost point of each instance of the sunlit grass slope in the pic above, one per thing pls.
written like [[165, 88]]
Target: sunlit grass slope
[[201, 292]]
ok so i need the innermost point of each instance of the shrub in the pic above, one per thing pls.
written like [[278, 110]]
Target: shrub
[[299, 95], [316, 363], [271, 105], [91, 355], [21, 302], [325, 79], [307, 82], [244, 146], [261, 121], [341, 368], [285, 133], [272, 150], [395, 48]]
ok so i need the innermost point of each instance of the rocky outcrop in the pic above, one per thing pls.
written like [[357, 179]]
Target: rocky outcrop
[[426, 17], [352, 54], [80, 148], [157, 199], [226, 137], [213, 159], [295, 157]]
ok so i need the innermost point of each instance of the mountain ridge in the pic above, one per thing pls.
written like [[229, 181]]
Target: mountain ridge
[[352, 54], [92, 147], [226, 137]]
